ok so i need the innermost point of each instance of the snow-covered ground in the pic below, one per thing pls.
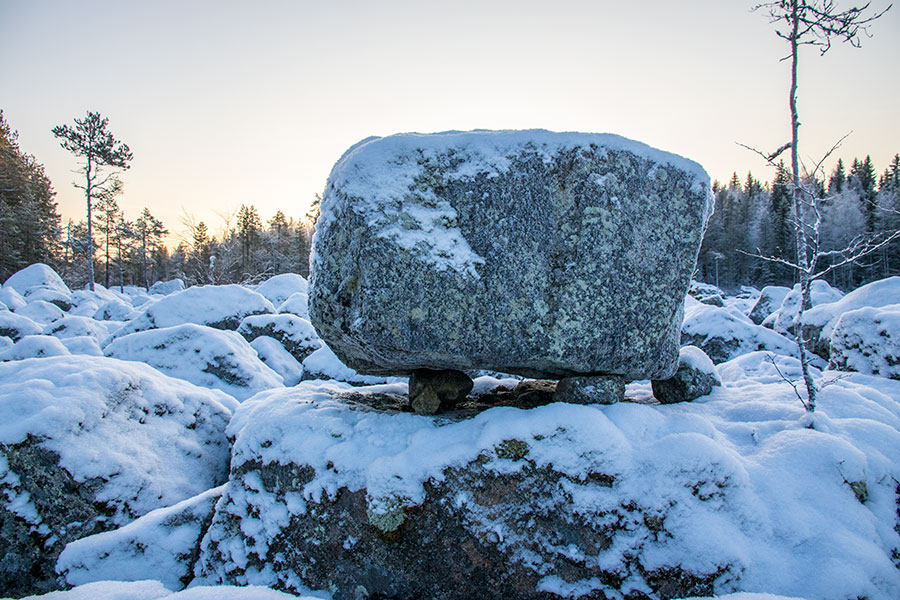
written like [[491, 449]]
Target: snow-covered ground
[[795, 505]]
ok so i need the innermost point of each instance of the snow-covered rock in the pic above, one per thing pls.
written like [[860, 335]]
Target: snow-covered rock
[[868, 340], [701, 291], [696, 377], [34, 278], [40, 311], [5, 342], [11, 298], [273, 354], [115, 310], [819, 321], [34, 346], [211, 358], [723, 334], [296, 334], [98, 443], [17, 326], [74, 326], [54, 296], [164, 288], [218, 306], [296, 304], [281, 287], [163, 544], [531, 252], [783, 320], [82, 344], [732, 493], [770, 299]]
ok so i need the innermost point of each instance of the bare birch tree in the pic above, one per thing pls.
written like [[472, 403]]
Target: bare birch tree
[[816, 23]]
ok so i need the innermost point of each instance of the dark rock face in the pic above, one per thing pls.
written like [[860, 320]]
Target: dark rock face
[[590, 390], [547, 255], [430, 391], [444, 549], [696, 377], [66, 509]]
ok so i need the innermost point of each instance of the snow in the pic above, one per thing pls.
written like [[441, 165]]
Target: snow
[[868, 340], [819, 293], [876, 294], [34, 346], [279, 288], [324, 364], [17, 326], [40, 311], [211, 358], [375, 178], [151, 440], [73, 326], [115, 310], [11, 298], [158, 545], [739, 476], [696, 359], [223, 305], [155, 590], [296, 304], [164, 288], [82, 344], [34, 277], [273, 354]]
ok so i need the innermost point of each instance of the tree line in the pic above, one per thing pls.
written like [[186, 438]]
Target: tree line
[[753, 219], [131, 251]]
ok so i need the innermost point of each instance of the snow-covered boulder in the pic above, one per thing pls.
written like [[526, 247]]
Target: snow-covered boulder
[[34, 346], [723, 334], [17, 326], [296, 304], [11, 298], [296, 335], [819, 322], [281, 287], [82, 344], [34, 278], [273, 354], [696, 377], [5, 342], [74, 326], [98, 443], [530, 252], [770, 299], [217, 306], [735, 493], [868, 340], [207, 357], [163, 544], [784, 319], [54, 296], [115, 310], [700, 291], [40, 311], [164, 288]]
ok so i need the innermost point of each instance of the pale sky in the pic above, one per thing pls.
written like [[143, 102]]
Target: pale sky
[[230, 103]]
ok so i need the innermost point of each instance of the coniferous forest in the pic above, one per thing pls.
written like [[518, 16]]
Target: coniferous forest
[[752, 219]]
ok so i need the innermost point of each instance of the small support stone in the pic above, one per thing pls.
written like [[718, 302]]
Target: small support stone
[[431, 390], [592, 389]]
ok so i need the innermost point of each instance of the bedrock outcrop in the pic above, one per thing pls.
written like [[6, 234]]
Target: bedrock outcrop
[[544, 254]]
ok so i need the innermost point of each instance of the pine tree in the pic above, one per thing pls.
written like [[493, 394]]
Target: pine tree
[[836, 182]]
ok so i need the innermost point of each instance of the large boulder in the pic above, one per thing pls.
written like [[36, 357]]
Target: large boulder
[[296, 335], [536, 253], [35, 278], [88, 444], [769, 301], [867, 340], [281, 287], [563, 501]]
